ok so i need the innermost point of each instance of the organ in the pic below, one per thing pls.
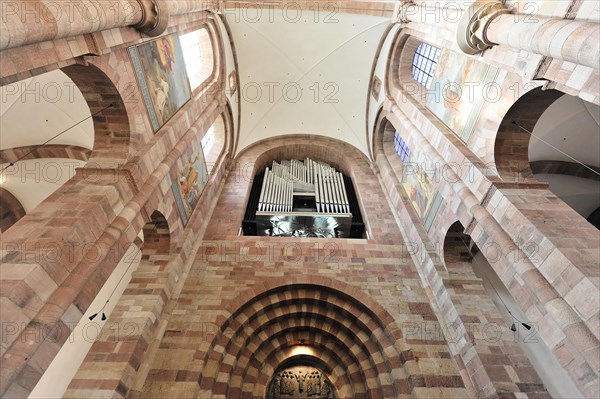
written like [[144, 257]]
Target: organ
[[303, 198]]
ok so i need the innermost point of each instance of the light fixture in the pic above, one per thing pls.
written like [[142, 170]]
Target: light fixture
[[113, 291], [513, 326], [101, 310]]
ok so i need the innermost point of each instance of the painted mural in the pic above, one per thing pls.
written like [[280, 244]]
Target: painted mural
[[459, 89], [162, 77], [423, 195], [189, 184]]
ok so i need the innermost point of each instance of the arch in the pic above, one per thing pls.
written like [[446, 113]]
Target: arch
[[511, 147], [109, 115], [343, 157], [198, 51], [11, 210], [537, 143], [324, 317], [400, 73], [157, 237], [458, 246], [335, 152], [215, 140], [471, 279]]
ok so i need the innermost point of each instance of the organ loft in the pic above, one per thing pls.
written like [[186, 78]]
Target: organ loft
[[305, 199]]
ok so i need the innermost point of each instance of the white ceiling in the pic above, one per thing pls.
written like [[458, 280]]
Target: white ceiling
[[34, 110], [328, 56], [573, 127], [33, 180]]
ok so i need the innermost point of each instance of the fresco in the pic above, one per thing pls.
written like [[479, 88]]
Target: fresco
[[458, 91], [162, 77], [423, 195], [189, 184]]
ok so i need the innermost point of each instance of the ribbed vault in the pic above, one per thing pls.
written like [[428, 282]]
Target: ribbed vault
[[348, 339]]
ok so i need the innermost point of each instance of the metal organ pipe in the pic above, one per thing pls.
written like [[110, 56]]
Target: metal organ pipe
[[282, 180]]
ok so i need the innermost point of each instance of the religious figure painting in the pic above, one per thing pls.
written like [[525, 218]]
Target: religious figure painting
[[423, 195], [189, 184], [459, 89], [160, 69]]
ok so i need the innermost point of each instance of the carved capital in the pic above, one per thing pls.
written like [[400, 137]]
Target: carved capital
[[471, 33], [402, 11], [155, 17]]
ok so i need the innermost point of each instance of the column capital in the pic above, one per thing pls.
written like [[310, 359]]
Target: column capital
[[401, 11], [155, 17], [471, 33]]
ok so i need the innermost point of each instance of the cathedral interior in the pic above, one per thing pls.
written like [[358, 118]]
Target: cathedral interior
[[300, 199]]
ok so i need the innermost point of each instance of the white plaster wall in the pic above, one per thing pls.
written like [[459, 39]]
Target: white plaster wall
[[61, 371]]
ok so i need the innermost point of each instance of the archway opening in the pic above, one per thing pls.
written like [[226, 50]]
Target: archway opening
[[540, 140], [497, 324], [46, 132]]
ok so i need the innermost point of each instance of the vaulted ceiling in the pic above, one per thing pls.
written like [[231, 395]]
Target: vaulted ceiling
[[305, 72]]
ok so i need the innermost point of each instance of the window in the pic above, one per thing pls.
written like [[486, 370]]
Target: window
[[401, 147], [197, 53], [209, 140], [424, 64]]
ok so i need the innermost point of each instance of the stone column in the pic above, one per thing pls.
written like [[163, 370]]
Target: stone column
[[25, 22], [488, 23]]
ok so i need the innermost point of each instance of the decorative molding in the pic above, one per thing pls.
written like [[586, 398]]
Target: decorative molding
[[471, 33], [155, 17], [402, 12]]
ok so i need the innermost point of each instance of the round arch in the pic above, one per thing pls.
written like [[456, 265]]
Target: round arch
[[109, 114], [399, 74], [265, 328], [512, 142]]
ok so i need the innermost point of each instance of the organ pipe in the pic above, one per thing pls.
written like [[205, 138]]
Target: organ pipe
[[282, 180]]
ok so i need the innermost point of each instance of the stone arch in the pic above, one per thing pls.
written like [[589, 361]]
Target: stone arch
[[458, 246], [317, 150], [157, 237], [109, 114], [512, 143], [471, 279], [325, 318], [11, 210], [400, 67], [220, 135], [208, 43]]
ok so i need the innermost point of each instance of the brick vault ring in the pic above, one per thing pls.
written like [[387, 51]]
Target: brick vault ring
[[355, 348]]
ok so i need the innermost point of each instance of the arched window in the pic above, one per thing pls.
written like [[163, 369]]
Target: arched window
[[424, 64], [401, 148], [209, 140], [198, 55]]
